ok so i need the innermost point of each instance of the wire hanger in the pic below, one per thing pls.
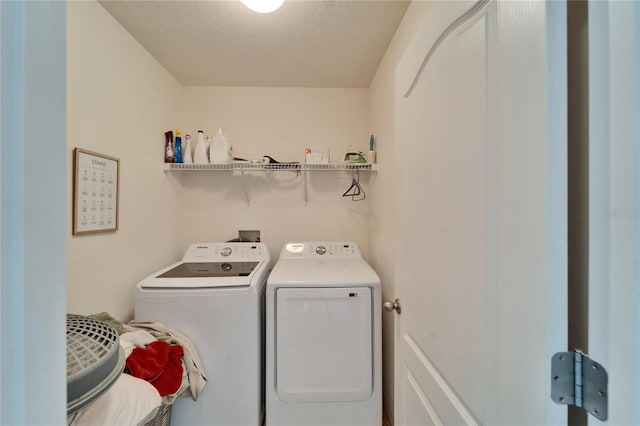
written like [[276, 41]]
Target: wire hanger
[[355, 191]]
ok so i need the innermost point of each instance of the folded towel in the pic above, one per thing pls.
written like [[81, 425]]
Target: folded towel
[[158, 363]]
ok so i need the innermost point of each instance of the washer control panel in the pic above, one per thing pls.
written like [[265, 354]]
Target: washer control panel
[[227, 251], [320, 249]]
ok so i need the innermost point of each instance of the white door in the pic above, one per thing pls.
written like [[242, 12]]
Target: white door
[[482, 263], [614, 202]]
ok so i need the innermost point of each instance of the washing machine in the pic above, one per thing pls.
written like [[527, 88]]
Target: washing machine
[[323, 338], [215, 296]]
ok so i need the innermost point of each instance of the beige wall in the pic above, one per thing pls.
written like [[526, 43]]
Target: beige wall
[[382, 225], [119, 101], [280, 122]]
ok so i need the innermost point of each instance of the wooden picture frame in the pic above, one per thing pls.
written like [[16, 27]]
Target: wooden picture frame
[[96, 188]]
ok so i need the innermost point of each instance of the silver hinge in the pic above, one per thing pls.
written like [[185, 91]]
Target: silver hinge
[[578, 380]]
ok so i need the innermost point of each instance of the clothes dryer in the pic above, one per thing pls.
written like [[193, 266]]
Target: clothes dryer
[[323, 338], [215, 296]]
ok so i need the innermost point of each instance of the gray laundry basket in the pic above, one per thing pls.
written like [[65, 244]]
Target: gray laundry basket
[[162, 418], [94, 360]]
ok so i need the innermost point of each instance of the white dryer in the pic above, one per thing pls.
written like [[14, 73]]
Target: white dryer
[[215, 296], [323, 338]]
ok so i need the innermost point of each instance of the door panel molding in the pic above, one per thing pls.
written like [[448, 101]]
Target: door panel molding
[[417, 391], [443, 399], [472, 14]]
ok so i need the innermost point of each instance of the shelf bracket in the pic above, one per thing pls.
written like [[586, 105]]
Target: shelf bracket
[[244, 187], [306, 198]]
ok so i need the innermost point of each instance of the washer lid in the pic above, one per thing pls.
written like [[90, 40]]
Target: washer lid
[[210, 270], [182, 275]]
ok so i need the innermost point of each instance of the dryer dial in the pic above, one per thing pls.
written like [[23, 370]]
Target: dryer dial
[[226, 251], [321, 250]]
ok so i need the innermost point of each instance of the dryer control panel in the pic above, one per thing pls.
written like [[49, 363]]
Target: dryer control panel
[[317, 249]]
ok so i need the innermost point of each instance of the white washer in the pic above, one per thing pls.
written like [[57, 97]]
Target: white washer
[[215, 296], [323, 338]]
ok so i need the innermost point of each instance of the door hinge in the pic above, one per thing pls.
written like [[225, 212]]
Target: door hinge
[[578, 380]]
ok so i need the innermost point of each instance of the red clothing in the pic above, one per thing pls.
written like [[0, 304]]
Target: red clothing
[[159, 364]]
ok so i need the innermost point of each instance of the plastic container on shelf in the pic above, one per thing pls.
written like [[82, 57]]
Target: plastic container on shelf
[[169, 156], [200, 151], [220, 151], [187, 151], [178, 147]]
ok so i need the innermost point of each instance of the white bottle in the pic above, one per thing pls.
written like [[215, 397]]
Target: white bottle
[[187, 157], [200, 151], [220, 151]]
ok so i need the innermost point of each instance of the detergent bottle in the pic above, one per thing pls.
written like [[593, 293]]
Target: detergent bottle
[[169, 155], [200, 151], [178, 146], [220, 151]]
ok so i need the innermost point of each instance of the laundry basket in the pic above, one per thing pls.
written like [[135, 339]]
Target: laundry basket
[[162, 418], [94, 360]]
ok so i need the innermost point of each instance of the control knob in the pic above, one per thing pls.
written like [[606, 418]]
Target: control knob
[[226, 251]]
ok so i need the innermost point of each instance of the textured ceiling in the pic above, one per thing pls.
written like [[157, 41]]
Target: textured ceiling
[[306, 43]]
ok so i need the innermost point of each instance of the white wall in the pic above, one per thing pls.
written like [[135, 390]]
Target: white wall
[[382, 224], [120, 101], [280, 122]]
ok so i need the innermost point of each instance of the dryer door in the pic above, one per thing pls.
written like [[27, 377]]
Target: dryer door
[[323, 344]]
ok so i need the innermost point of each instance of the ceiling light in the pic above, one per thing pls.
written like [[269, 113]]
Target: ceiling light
[[263, 6]]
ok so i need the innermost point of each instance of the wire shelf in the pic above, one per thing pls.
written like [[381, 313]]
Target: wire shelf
[[339, 167], [243, 167], [259, 167]]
